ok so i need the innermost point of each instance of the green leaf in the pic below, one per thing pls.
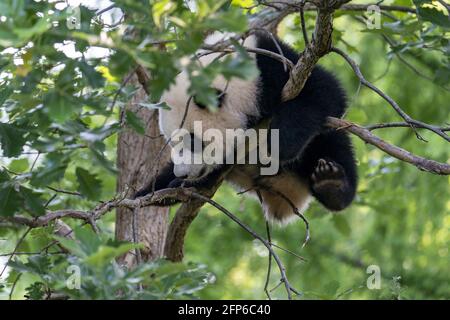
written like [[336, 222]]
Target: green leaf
[[36, 264], [88, 240], [239, 67], [11, 139], [36, 291], [59, 107], [106, 254], [232, 20], [33, 201], [161, 8], [134, 122], [101, 159], [434, 16], [10, 201], [165, 71], [4, 94], [88, 183], [153, 106], [19, 165], [38, 28], [442, 76], [93, 77], [72, 245], [52, 169]]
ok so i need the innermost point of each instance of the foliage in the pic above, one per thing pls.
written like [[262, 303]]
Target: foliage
[[89, 271], [62, 90]]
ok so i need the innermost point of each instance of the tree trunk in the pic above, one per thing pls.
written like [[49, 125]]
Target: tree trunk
[[138, 157]]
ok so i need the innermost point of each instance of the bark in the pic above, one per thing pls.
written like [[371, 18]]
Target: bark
[[138, 158]]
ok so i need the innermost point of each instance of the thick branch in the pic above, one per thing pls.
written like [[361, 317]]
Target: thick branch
[[100, 210], [183, 219], [294, 5], [319, 46]]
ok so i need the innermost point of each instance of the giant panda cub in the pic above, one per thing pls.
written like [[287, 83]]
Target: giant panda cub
[[314, 161]]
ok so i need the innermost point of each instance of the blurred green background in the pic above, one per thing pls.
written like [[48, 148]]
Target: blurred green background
[[400, 220]]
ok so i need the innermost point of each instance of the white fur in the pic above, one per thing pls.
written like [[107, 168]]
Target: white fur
[[240, 101], [239, 104], [273, 190]]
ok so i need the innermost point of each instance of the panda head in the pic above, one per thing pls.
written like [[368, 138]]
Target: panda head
[[237, 102]]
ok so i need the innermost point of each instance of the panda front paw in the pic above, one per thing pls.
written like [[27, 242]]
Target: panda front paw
[[328, 175]]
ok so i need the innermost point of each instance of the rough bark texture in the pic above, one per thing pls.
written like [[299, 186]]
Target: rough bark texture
[[318, 47], [137, 161], [174, 247]]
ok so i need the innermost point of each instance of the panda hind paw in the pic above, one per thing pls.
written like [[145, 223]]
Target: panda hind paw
[[328, 174]]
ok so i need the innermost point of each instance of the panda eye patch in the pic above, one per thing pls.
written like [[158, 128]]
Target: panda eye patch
[[194, 141], [220, 98]]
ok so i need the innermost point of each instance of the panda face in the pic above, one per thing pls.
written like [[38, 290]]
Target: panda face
[[237, 102]]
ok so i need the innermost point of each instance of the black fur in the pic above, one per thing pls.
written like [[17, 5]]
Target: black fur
[[335, 147], [320, 156], [165, 179], [303, 138]]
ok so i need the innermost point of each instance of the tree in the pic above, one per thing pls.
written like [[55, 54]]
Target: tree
[[80, 88], [146, 225]]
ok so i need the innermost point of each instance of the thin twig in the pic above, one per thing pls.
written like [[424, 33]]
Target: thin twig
[[412, 122], [397, 152], [13, 287], [22, 238], [303, 24], [73, 193], [269, 265], [397, 125], [281, 267]]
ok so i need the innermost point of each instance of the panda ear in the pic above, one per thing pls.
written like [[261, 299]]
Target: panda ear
[[220, 98]]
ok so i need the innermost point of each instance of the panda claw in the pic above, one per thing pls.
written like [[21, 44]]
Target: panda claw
[[327, 171], [334, 168]]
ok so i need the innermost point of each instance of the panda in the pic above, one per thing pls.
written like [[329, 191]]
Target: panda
[[314, 161]]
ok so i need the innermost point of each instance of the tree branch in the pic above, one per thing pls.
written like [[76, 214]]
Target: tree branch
[[295, 5], [397, 152], [319, 45], [413, 123], [398, 125], [266, 243], [174, 247]]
